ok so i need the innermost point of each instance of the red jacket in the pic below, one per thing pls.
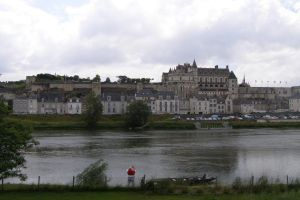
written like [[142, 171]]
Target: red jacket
[[131, 171]]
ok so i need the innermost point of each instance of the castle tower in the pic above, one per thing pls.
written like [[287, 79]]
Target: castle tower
[[194, 64]]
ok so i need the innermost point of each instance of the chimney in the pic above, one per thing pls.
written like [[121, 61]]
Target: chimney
[[227, 67], [216, 67]]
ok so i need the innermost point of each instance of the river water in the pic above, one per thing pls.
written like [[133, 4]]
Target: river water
[[223, 153]]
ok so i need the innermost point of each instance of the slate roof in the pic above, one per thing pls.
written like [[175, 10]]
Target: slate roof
[[50, 97], [148, 92], [116, 96], [232, 75], [213, 71]]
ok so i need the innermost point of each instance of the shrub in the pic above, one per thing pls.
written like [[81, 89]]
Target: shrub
[[93, 175]]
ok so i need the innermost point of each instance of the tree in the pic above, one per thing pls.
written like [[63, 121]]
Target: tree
[[76, 78], [123, 79], [137, 114], [107, 80], [93, 175], [93, 110], [3, 109], [15, 138], [96, 78]]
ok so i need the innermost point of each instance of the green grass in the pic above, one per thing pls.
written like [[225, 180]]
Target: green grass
[[211, 124], [140, 195], [115, 122], [253, 124], [171, 125]]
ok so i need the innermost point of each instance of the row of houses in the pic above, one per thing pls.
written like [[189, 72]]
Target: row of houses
[[47, 104], [159, 102]]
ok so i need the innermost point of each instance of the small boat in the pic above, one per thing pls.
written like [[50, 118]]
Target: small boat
[[189, 181]]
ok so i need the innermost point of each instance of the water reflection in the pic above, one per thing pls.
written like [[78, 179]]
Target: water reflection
[[223, 153]]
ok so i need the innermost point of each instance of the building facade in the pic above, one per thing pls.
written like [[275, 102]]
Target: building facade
[[25, 105], [294, 103], [160, 102]]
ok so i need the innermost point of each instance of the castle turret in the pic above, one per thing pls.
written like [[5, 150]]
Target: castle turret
[[194, 64], [233, 84]]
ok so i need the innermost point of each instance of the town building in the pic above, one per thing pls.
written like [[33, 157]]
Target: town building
[[73, 106], [115, 103], [25, 105], [160, 102], [294, 103], [211, 105], [51, 103]]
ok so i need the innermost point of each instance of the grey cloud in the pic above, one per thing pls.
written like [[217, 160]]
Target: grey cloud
[[78, 54], [220, 40]]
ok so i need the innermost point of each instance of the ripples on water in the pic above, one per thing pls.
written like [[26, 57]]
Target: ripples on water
[[223, 153]]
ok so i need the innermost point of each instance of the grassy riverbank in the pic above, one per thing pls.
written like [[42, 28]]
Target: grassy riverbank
[[139, 195], [65, 122], [156, 122], [254, 124], [260, 189]]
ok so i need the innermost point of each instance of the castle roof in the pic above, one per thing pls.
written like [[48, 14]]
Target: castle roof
[[232, 75], [213, 71]]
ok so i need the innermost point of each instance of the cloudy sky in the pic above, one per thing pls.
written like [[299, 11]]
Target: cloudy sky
[[143, 38]]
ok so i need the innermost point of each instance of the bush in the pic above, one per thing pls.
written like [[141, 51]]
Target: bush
[[93, 175]]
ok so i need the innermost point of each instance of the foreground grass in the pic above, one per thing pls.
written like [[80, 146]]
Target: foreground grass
[[141, 195], [254, 124], [115, 122]]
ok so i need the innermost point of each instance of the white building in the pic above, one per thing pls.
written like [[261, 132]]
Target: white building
[[199, 105], [51, 103], [211, 105], [115, 103], [24, 105], [73, 106], [160, 102], [294, 104]]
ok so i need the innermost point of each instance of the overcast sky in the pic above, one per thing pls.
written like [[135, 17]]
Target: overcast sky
[[143, 38]]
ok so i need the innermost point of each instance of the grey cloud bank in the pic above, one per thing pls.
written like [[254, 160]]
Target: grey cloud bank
[[144, 38]]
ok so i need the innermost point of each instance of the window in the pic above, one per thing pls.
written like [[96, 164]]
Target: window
[[166, 106]]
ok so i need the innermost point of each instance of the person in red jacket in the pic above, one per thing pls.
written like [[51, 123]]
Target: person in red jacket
[[131, 175]]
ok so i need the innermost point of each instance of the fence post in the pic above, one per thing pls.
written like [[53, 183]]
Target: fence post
[[2, 184], [105, 179], [252, 180], [216, 181], [287, 179], [73, 185], [143, 181], [39, 180]]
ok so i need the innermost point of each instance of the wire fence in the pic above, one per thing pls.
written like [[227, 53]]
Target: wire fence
[[140, 181]]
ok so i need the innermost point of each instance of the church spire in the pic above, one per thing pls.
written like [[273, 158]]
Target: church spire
[[194, 63]]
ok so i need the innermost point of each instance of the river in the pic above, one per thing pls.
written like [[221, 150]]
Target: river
[[223, 153]]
